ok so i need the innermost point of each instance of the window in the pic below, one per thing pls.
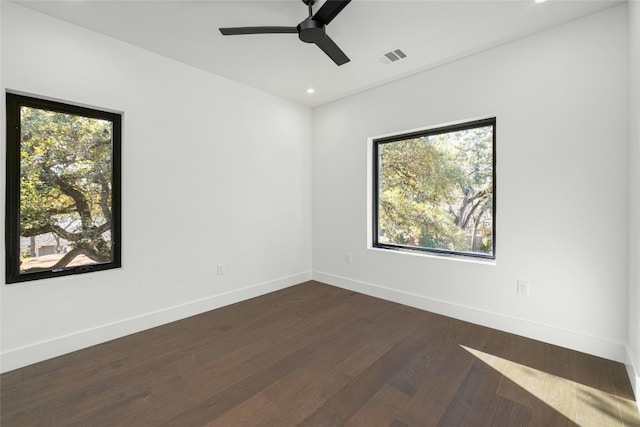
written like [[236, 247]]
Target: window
[[434, 190], [63, 189]]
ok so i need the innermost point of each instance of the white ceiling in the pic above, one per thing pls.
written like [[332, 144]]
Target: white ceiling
[[429, 32]]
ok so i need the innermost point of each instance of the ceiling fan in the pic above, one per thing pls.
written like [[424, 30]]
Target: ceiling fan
[[311, 30]]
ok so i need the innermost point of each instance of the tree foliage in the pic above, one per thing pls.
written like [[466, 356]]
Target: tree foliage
[[65, 181], [435, 191]]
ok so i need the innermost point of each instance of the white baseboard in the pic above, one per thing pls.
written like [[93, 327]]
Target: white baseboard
[[33, 353], [597, 346]]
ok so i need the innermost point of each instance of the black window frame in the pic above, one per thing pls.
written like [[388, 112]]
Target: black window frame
[[14, 102], [376, 142]]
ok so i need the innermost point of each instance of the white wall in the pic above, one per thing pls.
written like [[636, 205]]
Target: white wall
[[560, 98], [634, 192], [213, 172]]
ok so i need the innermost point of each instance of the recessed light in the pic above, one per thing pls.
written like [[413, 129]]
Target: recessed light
[[540, 1], [311, 90]]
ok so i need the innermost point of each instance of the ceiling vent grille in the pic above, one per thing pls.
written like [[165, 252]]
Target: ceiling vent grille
[[392, 56]]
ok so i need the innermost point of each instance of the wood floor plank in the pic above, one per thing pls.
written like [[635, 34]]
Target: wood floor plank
[[381, 409], [624, 395], [307, 400], [340, 407], [322, 360], [446, 353], [538, 376], [298, 404], [302, 350], [245, 413], [509, 413], [314, 354], [596, 401], [475, 400]]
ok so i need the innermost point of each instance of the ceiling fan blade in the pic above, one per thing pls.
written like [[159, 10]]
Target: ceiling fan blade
[[333, 51], [234, 31], [329, 10]]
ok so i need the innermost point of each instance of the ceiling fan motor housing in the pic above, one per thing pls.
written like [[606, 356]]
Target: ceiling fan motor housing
[[311, 31]]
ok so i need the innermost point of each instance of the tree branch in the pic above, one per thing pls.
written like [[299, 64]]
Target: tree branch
[[82, 206], [102, 228], [89, 253], [69, 256], [480, 202], [52, 228], [104, 198]]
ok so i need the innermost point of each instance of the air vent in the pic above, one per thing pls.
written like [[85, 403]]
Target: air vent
[[392, 56]]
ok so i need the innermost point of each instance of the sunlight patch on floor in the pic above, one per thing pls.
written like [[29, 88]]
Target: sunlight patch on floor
[[578, 402]]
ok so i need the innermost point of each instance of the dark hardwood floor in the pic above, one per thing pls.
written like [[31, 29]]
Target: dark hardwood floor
[[316, 355]]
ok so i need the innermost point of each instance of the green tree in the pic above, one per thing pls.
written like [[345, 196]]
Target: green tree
[[415, 177], [437, 189], [65, 181], [473, 152]]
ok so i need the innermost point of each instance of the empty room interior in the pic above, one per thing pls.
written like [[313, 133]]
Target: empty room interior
[[279, 240]]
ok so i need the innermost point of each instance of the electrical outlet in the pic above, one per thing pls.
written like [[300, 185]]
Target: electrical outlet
[[220, 270], [523, 288], [347, 258]]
